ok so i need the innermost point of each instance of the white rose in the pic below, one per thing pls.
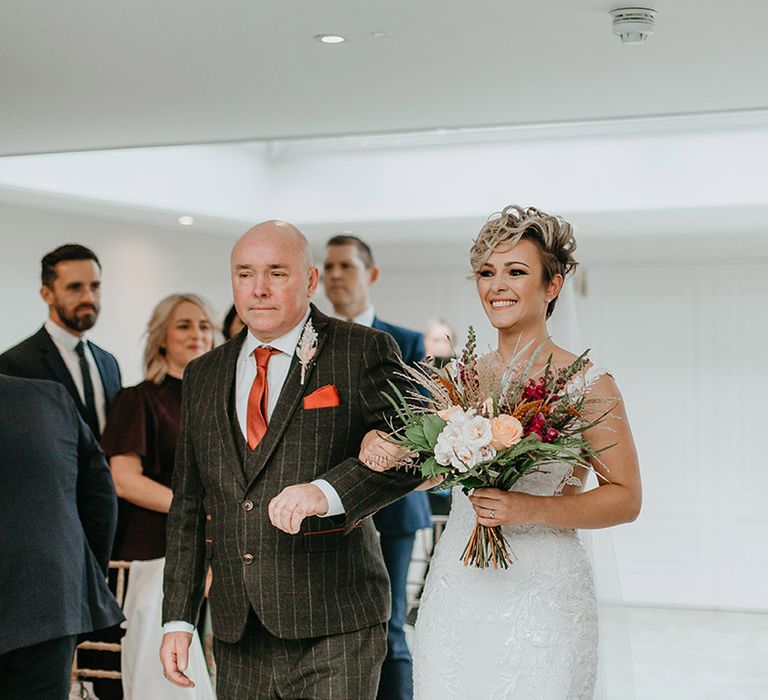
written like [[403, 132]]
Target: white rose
[[477, 430], [453, 414], [449, 436], [465, 456], [443, 454], [487, 453]]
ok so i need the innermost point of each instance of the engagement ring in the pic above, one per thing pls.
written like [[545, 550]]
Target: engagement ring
[[492, 515]]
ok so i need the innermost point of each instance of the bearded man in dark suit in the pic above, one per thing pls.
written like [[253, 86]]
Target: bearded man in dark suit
[[59, 514], [269, 493], [60, 351]]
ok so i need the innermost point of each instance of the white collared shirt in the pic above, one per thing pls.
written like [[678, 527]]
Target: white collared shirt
[[66, 343], [364, 318], [277, 370]]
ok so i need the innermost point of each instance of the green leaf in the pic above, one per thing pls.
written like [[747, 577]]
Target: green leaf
[[472, 482], [416, 435], [402, 416], [431, 468], [433, 426], [404, 408]]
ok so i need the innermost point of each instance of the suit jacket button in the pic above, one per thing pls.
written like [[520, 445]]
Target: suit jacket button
[[247, 558], [248, 506]]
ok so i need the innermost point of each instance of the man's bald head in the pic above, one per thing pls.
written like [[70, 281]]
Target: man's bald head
[[273, 278], [277, 230]]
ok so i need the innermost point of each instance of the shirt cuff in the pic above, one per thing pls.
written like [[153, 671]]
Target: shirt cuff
[[178, 626], [335, 506]]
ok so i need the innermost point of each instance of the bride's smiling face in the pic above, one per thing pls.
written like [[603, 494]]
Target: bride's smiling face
[[511, 286]]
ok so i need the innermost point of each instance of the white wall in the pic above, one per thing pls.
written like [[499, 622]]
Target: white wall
[[686, 343], [140, 266], [661, 163], [219, 181]]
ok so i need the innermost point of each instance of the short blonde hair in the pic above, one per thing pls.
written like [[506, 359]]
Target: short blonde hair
[[155, 364], [553, 236]]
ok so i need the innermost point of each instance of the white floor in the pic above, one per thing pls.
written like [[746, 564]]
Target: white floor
[[686, 654], [698, 654]]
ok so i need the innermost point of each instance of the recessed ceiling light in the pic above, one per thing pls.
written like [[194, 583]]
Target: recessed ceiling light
[[330, 38], [186, 220]]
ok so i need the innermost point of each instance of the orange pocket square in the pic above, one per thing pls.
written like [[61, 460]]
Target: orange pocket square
[[324, 397]]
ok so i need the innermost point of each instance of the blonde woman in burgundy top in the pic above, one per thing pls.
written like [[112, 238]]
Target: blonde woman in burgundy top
[[143, 426]]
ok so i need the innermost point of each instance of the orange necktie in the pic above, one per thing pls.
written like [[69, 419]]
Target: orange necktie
[[258, 398]]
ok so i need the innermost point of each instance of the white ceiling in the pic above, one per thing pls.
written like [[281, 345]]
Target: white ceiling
[[79, 74]]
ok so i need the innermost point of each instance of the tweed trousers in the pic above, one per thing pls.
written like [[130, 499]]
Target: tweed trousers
[[261, 666]]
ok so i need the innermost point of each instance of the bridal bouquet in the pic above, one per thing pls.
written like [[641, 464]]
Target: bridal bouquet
[[486, 424]]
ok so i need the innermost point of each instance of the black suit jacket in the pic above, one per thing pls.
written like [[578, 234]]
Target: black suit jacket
[[328, 579], [58, 513], [37, 357]]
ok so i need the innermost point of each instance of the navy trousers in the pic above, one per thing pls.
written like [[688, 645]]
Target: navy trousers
[[396, 681], [38, 672]]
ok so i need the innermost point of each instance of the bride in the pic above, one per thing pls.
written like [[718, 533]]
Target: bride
[[529, 632]]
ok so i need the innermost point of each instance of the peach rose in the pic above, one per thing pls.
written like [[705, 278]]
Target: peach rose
[[506, 430]]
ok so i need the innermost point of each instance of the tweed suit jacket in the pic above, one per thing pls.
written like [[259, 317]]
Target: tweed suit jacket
[[328, 579]]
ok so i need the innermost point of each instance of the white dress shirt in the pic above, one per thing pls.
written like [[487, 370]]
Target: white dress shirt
[[277, 371], [364, 318], [66, 343]]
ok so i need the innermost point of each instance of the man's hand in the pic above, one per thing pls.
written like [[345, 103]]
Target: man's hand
[[293, 504], [379, 453], [174, 655]]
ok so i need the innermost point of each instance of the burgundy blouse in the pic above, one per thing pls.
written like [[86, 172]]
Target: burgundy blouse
[[145, 419]]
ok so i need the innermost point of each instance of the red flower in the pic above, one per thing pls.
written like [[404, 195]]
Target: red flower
[[538, 425], [551, 435], [535, 390]]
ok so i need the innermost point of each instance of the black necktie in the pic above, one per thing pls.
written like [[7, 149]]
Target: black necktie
[[90, 416]]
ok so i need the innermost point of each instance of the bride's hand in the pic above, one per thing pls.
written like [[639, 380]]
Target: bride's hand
[[378, 453], [498, 507]]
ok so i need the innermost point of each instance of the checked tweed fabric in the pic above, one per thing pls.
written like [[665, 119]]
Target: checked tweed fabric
[[328, 579]]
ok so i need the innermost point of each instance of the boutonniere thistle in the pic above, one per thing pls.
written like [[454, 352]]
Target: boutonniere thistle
[[306, 348]]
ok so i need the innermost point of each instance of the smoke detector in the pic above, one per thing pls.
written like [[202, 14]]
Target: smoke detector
[[633, 25]]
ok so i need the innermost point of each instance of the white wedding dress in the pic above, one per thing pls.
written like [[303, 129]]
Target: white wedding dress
[[529, 632]]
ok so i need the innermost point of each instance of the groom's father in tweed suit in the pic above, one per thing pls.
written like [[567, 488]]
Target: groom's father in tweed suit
[[299, 610]]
